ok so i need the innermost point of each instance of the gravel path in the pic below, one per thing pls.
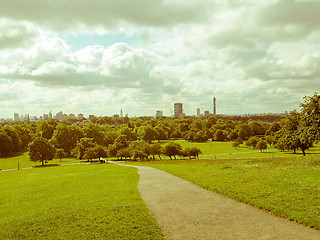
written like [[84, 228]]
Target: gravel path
[[186, 211]]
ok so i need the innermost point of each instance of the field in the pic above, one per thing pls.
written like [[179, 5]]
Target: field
[[224, 150], [102, 201], [287, 187], [98, 201]]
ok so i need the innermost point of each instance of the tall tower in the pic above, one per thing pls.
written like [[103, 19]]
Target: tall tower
[[178, 110], [214, 106], [121, 113]]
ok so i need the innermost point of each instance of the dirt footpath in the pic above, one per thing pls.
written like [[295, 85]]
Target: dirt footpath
[[186, 211]]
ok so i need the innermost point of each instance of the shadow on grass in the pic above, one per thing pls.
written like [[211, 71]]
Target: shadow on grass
[[47, 165]]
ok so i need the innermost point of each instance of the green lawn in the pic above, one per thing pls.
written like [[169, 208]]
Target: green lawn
[[98, 201], [288, 186], [224, 150], [23, 161]]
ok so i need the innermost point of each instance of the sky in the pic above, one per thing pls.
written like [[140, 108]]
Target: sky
[[98, 56]]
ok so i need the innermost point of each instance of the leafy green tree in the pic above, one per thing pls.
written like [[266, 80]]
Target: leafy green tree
[[124, 130], [24, 134], [311, 114], [41, 150], [172, 149], [138, 154], [200, 136], [6, 143], [124, 153], [46, 128], [93, 130], [237, 143], [90, 154], [162, 134], [261, 145], [295, 133], [257, 128], [195, 152], [147, 133], [101, 151], [175, 134], [155, 149], [82, 146], [219, 135], [16, 142], [252, 141], [66, 137], [60, 153], [233, 135]]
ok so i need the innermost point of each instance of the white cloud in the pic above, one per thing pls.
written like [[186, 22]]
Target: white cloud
[[262, 54]]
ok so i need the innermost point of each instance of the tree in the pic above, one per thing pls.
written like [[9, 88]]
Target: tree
[[82, 146], [195, 152], [89, 154], [237, 143], [295, 133], [41, 150], [219, 135], [60, 153], [155, 149], [252, 141], [311, 114], [147, 133], [172, 149], [93, 130], [261, 145], [100, 151], [6, 144], [66, 137]]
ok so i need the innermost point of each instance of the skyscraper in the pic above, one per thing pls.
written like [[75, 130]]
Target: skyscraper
[[16, 117], [178, 110]]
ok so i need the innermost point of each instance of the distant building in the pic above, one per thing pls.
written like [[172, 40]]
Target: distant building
[[45, 116], [116, 116], [91, 116], [198, 112], [121, 113], [159, 114], [178, 110], [16, 117], [50, 115], [80, 116], [59, 116], [72, 116], [214, 106], [206, 114]]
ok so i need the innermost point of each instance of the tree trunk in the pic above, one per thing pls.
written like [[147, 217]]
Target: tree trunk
[[303, 151]]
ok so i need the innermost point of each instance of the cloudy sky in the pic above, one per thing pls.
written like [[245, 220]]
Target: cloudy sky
[[98, 56]]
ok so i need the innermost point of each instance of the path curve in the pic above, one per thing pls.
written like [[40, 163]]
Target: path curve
[[184, 210]]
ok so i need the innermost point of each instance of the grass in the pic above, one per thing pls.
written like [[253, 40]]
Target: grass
[[287, 187], [23, 161], [74, 202], [224, 150]]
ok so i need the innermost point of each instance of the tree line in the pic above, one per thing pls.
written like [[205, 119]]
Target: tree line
[[138, 138]]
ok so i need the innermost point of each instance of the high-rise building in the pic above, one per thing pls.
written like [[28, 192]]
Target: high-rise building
[[121, 113], [178, 110], [159, 114], [198, 112], [16, 117], [59, 115], [50, 115], [214, 106]]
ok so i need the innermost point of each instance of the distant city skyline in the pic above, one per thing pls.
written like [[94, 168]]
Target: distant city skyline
[[142, 56]]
